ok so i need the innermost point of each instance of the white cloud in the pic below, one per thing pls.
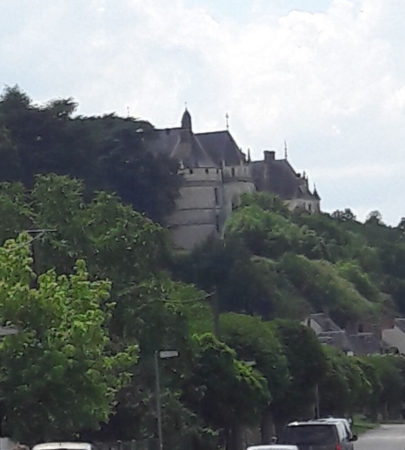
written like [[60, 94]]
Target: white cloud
[[331, 81]]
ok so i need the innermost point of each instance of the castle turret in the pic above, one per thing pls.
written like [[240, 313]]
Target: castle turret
[[182, 150], [186, 120]]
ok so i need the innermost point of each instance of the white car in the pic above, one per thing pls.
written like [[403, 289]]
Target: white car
[[63, 446], [342, 420], [273, 447]]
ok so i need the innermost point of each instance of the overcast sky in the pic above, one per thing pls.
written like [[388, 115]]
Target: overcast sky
[[327, 76]]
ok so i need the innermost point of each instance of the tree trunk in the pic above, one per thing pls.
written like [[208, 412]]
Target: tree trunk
[[235, 438], [267, 427]]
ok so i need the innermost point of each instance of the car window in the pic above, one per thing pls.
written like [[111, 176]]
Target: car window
[[310, 434]]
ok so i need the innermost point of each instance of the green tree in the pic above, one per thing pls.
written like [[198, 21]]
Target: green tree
[[108, 152], [306, 365], [344, 387], [344, 215], [223, 390], [254, 341], [390, 393], [58, 374], [374, 218]]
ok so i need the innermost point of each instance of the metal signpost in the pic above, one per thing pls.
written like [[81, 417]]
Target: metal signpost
[[162, 354]]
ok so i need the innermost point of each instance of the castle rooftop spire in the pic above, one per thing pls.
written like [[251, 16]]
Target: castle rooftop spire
[[186, 120]]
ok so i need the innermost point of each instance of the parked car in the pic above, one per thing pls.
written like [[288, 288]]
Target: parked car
[[63, 446], [273, 447], [317, 435], [345, 422]]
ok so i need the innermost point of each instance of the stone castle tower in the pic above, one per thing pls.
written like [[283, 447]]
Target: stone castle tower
[[216, 173]]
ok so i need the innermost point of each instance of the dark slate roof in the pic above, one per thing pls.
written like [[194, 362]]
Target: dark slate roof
[[337, 339], [315, 194], [221, 147], [278, 176], [325, 322], [365, 344], [168, 141], [400, 323], [186, 120]]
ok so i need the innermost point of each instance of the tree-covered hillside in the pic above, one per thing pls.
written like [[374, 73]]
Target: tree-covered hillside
[[275, 263], [94, 290]]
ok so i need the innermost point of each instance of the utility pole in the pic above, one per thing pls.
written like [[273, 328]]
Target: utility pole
[[158, 402], [162, 354], [317, 401]]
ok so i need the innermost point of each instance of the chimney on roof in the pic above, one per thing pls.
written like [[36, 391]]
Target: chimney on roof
[[269, 155]]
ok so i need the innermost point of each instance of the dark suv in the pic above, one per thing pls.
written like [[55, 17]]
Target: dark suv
[[317, 435]]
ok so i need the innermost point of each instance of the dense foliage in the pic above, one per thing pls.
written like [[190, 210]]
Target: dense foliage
[[106, 152], [94, 290]]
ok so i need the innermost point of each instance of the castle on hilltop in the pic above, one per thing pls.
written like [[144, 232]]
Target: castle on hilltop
[[216, 173]]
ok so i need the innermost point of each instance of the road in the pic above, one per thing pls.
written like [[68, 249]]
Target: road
[[386, 437]]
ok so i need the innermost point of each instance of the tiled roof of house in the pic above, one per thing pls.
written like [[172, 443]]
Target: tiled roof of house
[[221, 147], [181, 144], [206, 149], [325, 322], [337, 339], [278, 176], [365, 344], [400, 323]]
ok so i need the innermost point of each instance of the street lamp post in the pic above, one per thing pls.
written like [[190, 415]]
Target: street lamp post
[[162, 354]]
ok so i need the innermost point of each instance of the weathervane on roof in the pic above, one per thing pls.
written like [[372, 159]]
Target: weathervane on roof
[[285, 150], [227, 121]]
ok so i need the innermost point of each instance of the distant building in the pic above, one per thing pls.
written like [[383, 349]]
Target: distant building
[[329, 333], [278, 176], [394, 337], [216, 173]]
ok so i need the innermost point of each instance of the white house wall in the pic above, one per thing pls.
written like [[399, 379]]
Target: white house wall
[[394, 337]]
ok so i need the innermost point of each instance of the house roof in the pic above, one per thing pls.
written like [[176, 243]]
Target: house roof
[[211, 149], [325, 322], [278, 176], [337, 339], [203, 149], [365, 343], [181, 144], [221, 147], [400, 323]]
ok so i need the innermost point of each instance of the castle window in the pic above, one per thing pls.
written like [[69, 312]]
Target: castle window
[[216, 196], [206, 171], [233, 171], [309, 207], [217, 223], [217, 170], [190, 170]]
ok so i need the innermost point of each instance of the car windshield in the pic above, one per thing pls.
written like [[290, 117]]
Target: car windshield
[[309, 434]]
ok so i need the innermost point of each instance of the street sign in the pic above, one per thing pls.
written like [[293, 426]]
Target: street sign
[[163, 354], [7, 331]]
